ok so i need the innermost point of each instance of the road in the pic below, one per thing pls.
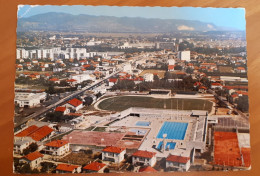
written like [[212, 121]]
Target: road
[[65, 99]]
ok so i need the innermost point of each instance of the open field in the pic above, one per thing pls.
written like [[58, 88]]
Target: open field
[[225, 69], [77, 158], [124, 102], [160, 73], [27, 86]]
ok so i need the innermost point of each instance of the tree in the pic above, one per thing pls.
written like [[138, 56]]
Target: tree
[[106, 170], [130, 167], [98, 95], [242, 103], [51, 90], [189, 70], [178, 67], [88, 101], [46, 166], [31, 148], [156, 78]]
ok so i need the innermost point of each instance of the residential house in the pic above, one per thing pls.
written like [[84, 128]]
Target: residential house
[[72, 82], [180, 163], [112, 81], [94, 167], [146, 158], [148, 77], [55, 80], [38, 134], [68, 168], [20, 145], [33, 159], [74, 104], [147, 169], [240, 70], [202, 89], [63, 110], [171, 67], [57, 147], [114, 154], [216, 85]]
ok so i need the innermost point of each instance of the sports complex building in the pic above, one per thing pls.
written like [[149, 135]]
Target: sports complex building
[[164, 132]]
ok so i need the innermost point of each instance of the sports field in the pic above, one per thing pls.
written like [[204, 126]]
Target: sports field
[[121, 103]]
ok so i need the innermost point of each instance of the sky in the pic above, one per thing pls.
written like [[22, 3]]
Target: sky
[[222, 17]]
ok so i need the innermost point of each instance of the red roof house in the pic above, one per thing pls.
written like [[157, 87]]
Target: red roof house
[[68, 168], [62, 109], [115, 154], [33, 159], [36, 133], [75, 104], [94, 167], [181, 163], [144, 158], [147, 169]]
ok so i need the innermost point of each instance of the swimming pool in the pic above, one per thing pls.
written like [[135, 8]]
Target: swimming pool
[[174, 130], [143, 123], [169, 145]]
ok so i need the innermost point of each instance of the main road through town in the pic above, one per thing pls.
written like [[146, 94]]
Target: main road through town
[[65, 99]]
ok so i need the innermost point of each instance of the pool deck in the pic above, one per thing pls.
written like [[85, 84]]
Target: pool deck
[[155, 126]]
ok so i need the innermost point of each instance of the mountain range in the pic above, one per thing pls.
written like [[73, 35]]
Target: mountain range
[[54, 21]]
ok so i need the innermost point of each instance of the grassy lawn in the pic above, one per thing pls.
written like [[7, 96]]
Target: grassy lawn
[[124, 102]]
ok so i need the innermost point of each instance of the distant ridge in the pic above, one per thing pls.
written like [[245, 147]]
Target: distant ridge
[[53, 21]]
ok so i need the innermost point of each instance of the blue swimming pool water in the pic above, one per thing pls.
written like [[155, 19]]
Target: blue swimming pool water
[[169, 145], [174, 130], [142, 123]]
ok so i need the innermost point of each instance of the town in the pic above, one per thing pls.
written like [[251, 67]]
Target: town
[[131, 102]]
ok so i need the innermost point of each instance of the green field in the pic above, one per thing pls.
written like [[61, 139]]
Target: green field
[[121, 103]]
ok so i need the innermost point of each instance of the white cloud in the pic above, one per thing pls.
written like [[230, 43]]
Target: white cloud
[[185, 28], [210, 26]]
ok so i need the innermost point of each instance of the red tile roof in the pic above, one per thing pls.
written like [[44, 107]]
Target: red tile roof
[[171, 67], [94, 166], [57, 143], [147, 169], [208, 64], [27, 131], [197, 84], [75, 102], [40, 133], [54, 79], [71, 80], [236, 87], [66, 167], [86, 66], [234, 95], [144, 154], [113, 149], [178, 159], [60, 109], [33, 156], [203, 87], [240, 68], [114, 80], [216, 84]]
